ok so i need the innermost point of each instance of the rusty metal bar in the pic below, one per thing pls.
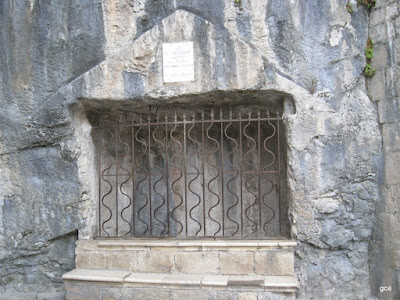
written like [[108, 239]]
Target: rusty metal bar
[[185, 175], [149, 162], [190, 173], [259, 167], [196, 121], [116, 181], [279, 176], [133, 175], [241, 174], [203, 164], [166, 171], [99, 170], [222, 172]]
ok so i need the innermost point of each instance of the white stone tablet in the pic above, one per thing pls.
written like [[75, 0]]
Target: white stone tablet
[[178, 62]]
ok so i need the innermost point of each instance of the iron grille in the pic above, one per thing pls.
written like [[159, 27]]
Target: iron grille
[[198, 173]]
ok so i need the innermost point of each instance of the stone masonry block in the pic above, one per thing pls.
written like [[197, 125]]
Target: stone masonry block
[[78, 291], [390, 223], [237, 263], [388, 113], [391, 137], [396, 46], [222, 295], [124, 260], [377, 16], [155, 262], [88, 245], [151, 294], [392, 196], [378, 33], [274, 263], [377, 86], [276, 296], [380, 58], [90, 260], [189, 294], [397, 25], [145, 294], [392, 167], [197, 262], [248, 296]]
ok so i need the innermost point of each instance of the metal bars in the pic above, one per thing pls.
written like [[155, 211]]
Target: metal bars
[[199, 173]]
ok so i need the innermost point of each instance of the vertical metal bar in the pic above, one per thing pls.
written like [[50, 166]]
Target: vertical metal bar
[[279, 177], [259, 168], [204, 179], [133, 176], [149, 161], [116, 177], [241, 171], [166, 168], [185, 170], [222, 172], [100, 175], [175, 166]]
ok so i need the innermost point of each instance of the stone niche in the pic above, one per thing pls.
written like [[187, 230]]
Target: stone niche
[[204, 179]]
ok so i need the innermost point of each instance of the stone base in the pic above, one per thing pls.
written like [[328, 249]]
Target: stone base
[[118, 284], [220, 257], [177, 269]]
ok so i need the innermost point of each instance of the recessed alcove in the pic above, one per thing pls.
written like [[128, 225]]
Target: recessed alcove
[[207, 165]]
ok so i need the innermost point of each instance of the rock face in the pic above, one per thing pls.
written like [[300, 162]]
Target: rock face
[[385, 91], [58, 60]]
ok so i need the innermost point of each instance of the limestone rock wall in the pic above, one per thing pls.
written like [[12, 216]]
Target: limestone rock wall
[[43, 46], [58, 58], [384, 89]]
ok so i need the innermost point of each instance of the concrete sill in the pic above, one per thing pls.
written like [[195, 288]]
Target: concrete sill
[[286, 284], [199, 245]]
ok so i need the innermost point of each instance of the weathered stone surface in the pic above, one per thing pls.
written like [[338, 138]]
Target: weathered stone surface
[[236, 263], [43, 46], [54, 57], [384, 268], [248, 296], [125, 260], [274, 263], [157, 262], [91, 259], [188, 294], [378, 81], [197, 262]]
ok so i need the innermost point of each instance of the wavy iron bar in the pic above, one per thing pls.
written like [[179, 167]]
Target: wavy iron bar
[[189, 173]]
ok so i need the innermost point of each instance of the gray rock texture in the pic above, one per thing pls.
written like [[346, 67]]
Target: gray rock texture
[[384, 89], [59, 58], [43, 46]]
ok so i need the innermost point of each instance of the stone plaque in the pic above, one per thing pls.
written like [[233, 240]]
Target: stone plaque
[[178, 62]]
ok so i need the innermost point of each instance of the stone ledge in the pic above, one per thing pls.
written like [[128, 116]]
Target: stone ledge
[[197, 245], [97, 275], [184, 281]]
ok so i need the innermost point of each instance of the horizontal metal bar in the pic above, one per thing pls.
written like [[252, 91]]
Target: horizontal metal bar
[[233, 238], [189, 122], [190, 173]]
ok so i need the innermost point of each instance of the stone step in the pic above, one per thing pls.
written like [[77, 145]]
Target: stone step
[[80, 282], [219, 257]]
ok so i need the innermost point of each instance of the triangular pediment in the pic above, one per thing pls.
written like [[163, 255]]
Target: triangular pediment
[[221, 62]]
